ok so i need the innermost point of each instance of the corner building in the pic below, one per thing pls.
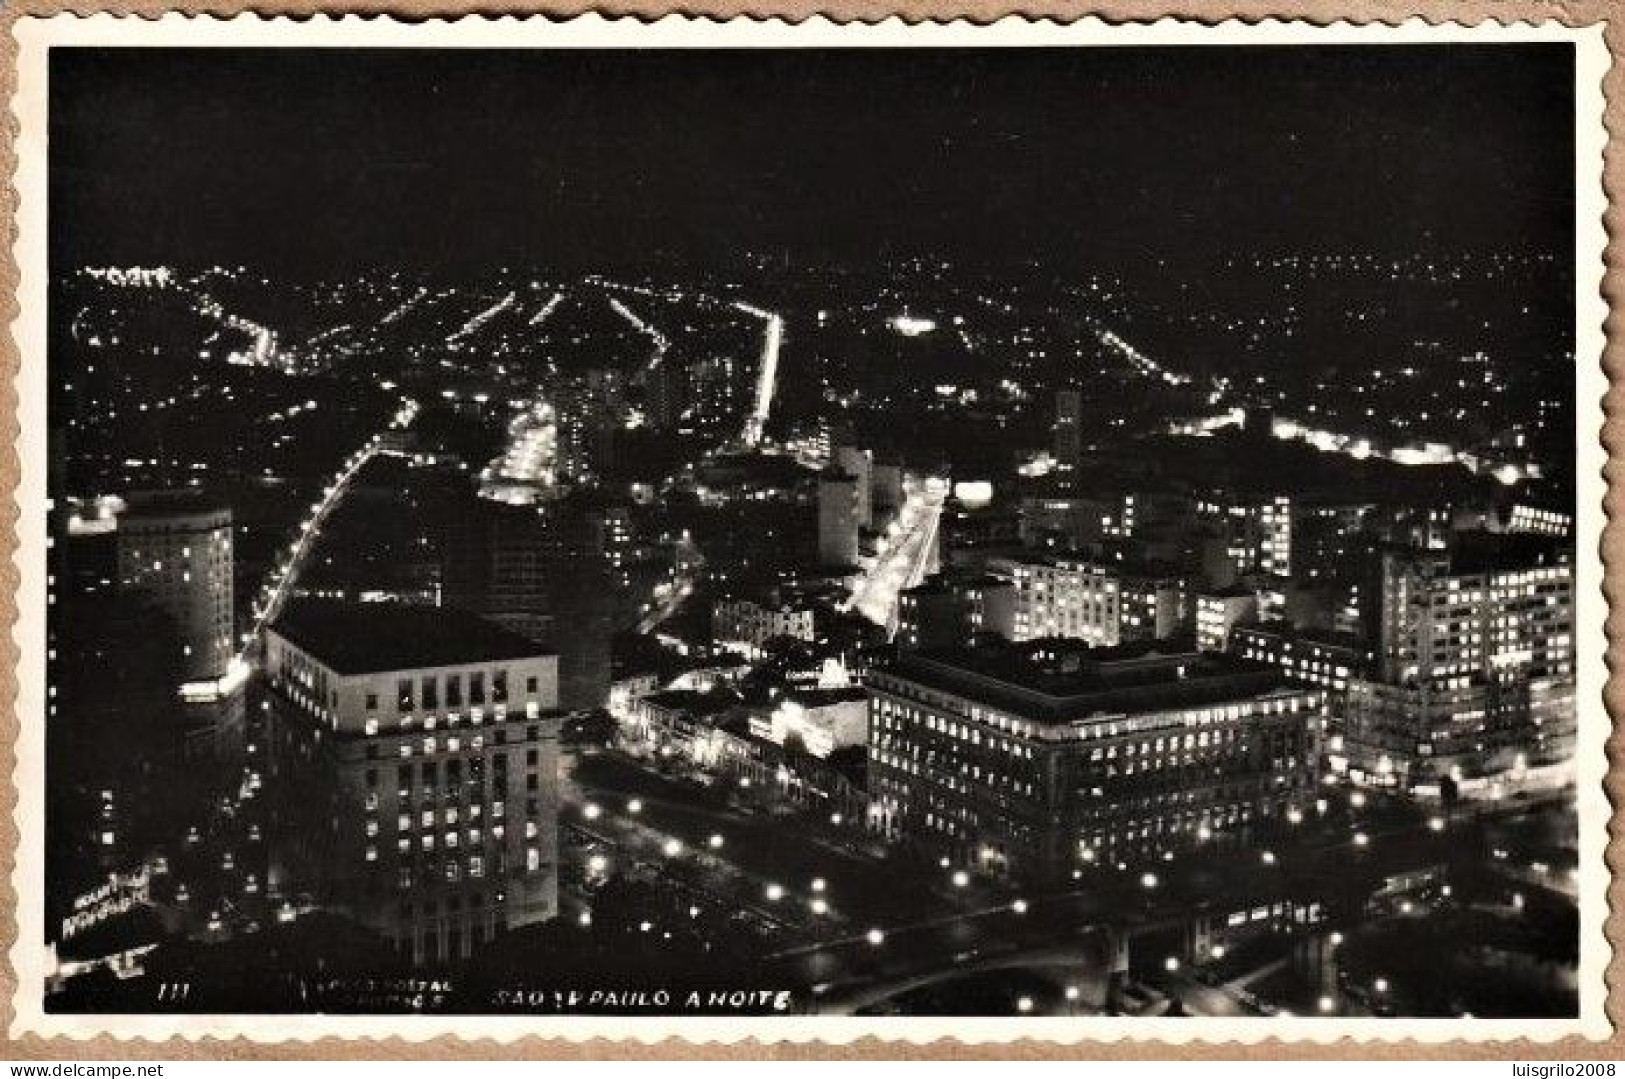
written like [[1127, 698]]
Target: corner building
[[414, 772], [176, 548], [1475, 670], [1034, 759]]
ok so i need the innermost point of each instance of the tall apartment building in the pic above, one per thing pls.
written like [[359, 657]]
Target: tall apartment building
[[1037, 758], [543, 573], [952, 608], [414, 772], [1475, 666], [837, 519], [1068, 434], [176, 548], [1094, 601], [589, 407], [886, 481], [1255, 535], [860, 466]]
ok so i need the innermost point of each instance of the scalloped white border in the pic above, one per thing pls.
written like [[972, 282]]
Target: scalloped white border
[[36, 35]]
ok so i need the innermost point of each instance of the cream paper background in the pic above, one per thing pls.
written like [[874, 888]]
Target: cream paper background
[[33, 38]]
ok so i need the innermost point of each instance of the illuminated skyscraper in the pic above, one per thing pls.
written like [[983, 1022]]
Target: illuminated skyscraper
[[414, 778], [1475, 668], [837, 520], [176, 548], [1068, 445]]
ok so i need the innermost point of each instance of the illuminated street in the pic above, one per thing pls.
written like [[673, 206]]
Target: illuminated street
[[908, 552]]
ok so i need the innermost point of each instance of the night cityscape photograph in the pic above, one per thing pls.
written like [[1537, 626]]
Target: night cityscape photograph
[[881, 532]]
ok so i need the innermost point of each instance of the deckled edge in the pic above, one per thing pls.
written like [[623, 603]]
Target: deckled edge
[[1581, 13]]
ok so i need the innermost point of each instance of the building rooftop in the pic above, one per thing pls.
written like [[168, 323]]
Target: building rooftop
[[1491, 552], [694, 702], [1061, 681], [1234, 591], [823, 698], [1315, 635], [141, 505], [364, 638]]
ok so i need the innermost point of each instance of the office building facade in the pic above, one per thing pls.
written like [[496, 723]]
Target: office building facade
[[1036, 759], [414, 772], [176, 548], [1475, 672]]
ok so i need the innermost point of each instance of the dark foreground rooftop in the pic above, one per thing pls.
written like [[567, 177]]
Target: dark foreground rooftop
[[362, 638]]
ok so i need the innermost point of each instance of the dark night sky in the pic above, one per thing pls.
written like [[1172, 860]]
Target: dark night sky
[[317, 159]]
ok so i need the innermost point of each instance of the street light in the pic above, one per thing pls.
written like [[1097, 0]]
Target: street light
[[774, 893], [1072, 992], [875, 937], [1170, 964], [715, 842], [1361, 839], [819, 906], [1380, 985], [818, 884], [1019, 906], [1148, 880], [672, 848], [1268, 857], [961, 879], [591, 811], [1024, 1005], [1327, 1004], [634, 806], [597, 863]]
